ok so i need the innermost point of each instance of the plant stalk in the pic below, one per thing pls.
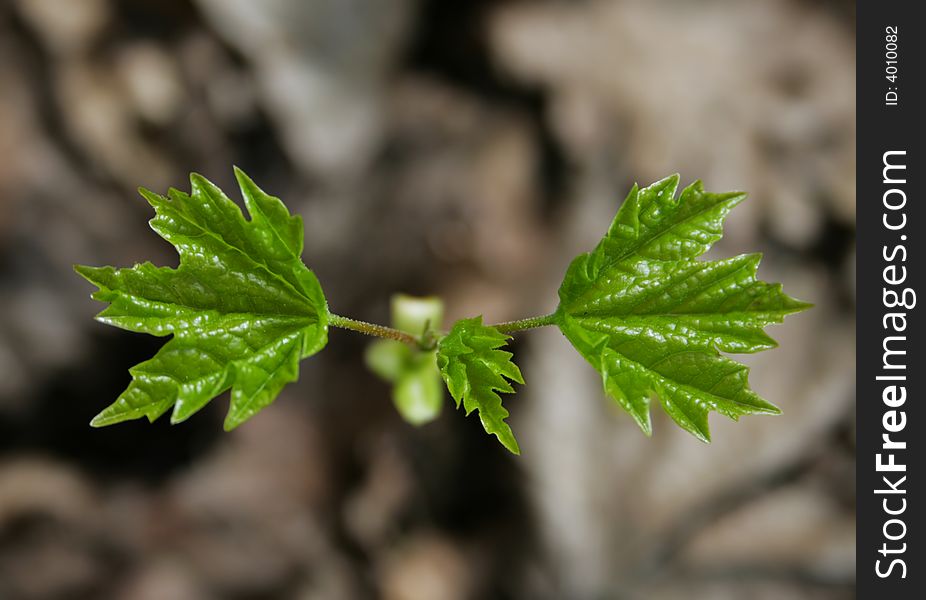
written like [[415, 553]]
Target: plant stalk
[[390, 333], [529, 323], [372, 329]]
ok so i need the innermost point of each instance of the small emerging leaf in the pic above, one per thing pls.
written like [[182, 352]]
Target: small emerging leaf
[[242, 307], [416, 391], [387, 358], [475, 371], [653, 320]]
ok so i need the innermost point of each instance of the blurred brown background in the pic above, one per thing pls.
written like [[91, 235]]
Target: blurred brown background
[[467, 149]]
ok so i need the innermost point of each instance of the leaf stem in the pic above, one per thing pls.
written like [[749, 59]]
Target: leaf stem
[[390, 333], [529, 323], [372, 329]]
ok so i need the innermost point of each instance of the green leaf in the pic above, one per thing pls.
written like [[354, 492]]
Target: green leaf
[[387, 358], [242, 307], [417, 391], [653, 320], [475, 371]]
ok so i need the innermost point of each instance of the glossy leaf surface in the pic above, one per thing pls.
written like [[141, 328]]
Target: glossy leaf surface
[[653, 319], [242, 308], [475, 371]]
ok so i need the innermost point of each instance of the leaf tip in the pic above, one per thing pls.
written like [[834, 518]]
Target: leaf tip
[[244, 181], [198, 183], [646, 425], [153, 198], [665, 187], [106, 417], [235, 416], [767, 408], [508, 440], [231, 423], [800, 306], [701, 432], [732, 199], [84, 271], [98, 276]]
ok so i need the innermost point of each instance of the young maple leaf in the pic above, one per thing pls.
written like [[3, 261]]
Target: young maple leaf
[[475, 370], [242, 307], [653, 320]]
